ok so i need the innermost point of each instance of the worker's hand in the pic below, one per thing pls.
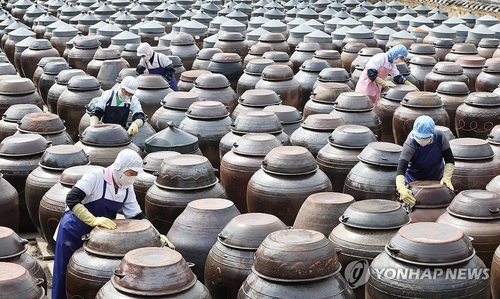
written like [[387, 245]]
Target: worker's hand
[[104, 222], [384, 83], [88, 218], [447, 174], [404, 193], [134, 127], [139, 70], [94, 120], [407, 82], [166, 242]]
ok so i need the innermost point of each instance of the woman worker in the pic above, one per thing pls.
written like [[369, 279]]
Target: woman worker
[[373, 78], [155, 63], [422, 158], [94, 201]]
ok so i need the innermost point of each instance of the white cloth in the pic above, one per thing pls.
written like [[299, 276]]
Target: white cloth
[[135, 105]]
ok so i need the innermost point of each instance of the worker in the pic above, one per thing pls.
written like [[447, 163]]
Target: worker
[[114, 106], [422, 158], [373, 79], [94, 201], [155, 63]]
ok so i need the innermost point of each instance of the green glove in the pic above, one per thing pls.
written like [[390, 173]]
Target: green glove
[[86, 217], [447, 174], [404, 193], [134, 127], [94, 120], [384, 83], [410, 84]]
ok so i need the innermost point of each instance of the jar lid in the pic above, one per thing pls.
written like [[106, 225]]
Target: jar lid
[[248, 231], [430, 244], [73, 174], [353, 47], [23, 145], [423, 60], [230, 36], [15, 280], [11, 245], [55, 67], [17, 111], [207, 53], [256, 144], [60, 157], [494, 135], [153, 161], [211, 81], [422, 49], [375, 214], [277, 56], [151, 81], [381, 153], [296, 255], [444, 43], [83, 83], [64, 76], [492, 65], [398, 93], [431, 194], [40, 44], [307, 47], [186, 172], [328, 93], [289, 160], [86, 42], [272, 37], [257, 122], [15, 86], [287, 114], [352, 137], [192, 75], [422, 99], [256, 66], [183, 39], [259, 98], [453, 87], [476, 204], [471, 149], [314, 65], [226, 58], [353, 101], [180, 100], [107, 53], [448, 68], [471, 61], [41, 123], [489, 42], [259, 49], [327, 54], [277, 72], [207, 110], [322, 122], [334, 74], [464, 48], [105, 135], [483, 99]]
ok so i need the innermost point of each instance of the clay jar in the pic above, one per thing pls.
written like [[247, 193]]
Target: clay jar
[[276, 185], [227, 64], [303, 51], [357, 109], [53, 202], [307, 76], [444, 71], [452, 94], [186, 82], [475, 165], [340, 155], [412, 106], [364, 230], [151, 89], [314, 132], [49, 125], [83, 52], [100, 56], [477, 116], [37, 50], [19, 156], [489, 78], [173, 109], [61, 82], [472, 67], [209, 121], [374, 176], [215, 87], [321, 211], [181, 179], [487, 47], [41, 65], [461, 49], [252, 74], [289, 116], [432, 199], [8, 124], [16, 90], [232, 42], [349, 53], [255, 100], [336, 75], [71, 104], [241, 162], [18, 282], [331, 56], [280, 79], [9, 205], [195, 231], [184, 46], [323, 98], [494, 141], [233, 254], [420, 66], [48, 77], [475, 213], [203, 58]]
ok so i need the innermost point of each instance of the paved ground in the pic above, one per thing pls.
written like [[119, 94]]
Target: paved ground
[[34, 251]]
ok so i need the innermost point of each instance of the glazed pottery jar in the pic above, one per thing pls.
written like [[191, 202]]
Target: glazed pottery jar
[[432, 199], [255, 100], [444, 71], [187, 78], [61, 82], [472, 67], [16, 90], [8, 123], [289, 117], [489, 78], [452, 94], [323, 97], [215, 87], [18, 282], [9, 204], [252, 74], [420, 66], [477, 116], [280, 78], [173, 109]]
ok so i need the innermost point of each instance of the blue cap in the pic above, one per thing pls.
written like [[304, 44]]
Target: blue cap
[[423, 127], [398, 50]]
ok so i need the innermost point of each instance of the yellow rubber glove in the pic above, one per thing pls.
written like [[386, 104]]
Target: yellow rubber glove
[[164, 240], [94, 120], [404, 193], [447, 174], [410, 84], [134, 127], [86, 217], [384, 83]]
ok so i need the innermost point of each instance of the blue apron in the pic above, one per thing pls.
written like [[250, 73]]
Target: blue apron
[[161, 71], [115, 114], [69, 238], [427, 161]]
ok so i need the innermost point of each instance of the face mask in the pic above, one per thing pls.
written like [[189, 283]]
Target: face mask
[[423, 141], [122, 97], [126, 181], [147, 57]]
